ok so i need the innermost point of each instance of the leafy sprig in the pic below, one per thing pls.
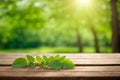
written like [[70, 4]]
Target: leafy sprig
[[56, 62]]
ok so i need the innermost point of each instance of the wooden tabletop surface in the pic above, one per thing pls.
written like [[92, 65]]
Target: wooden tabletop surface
[[87, 65]]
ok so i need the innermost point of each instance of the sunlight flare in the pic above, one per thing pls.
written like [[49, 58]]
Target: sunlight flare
[[83, 3]]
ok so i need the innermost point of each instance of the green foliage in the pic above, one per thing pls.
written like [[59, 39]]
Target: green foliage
[[39, 59], [54, 62], [36, 23], [64, 50], [68, 64], [58, 62], [19, 62], [45, 58], [42, 64], [30, 59], [31, 65]]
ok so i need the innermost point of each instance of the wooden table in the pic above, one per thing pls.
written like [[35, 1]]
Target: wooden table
[[88, 67]]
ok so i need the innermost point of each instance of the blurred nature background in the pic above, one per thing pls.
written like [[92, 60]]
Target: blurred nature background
[[60, 26]]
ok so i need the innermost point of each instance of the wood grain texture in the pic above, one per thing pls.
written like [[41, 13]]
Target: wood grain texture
[[72, 55], [78, 59], [87, 65], [77, 68], [60, 74]]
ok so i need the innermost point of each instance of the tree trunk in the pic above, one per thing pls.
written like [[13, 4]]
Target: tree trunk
[[115, 27], [79, 41], [96, 42]]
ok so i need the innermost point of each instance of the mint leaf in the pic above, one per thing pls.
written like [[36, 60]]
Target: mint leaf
[[62, 58], [39, 59], [68, 64], [55, 64], [57, 56], [45, 58], [30, 59], [42, 64], [50, 58], [32, 65], [19, 63]]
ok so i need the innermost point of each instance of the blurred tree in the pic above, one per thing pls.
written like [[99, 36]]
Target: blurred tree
[[63, 15], [62, 23], [24, 23], [115, 27]]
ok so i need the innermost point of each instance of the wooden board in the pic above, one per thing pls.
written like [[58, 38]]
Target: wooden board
[[73, 55], [87, 65], [79, 71], [78, 59]]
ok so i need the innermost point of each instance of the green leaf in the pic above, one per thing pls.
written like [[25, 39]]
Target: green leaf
[[39, 59], [42, 64], [62, 58], [45, 58], [68, 64], [19, 63], [57, 56], [55, 64], [50, 58], [30, 59], [32, 65]]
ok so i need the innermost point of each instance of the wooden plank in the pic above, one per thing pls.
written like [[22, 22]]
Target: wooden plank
[[60, 74], [77, 61], [74, 55], [98, 70], [80, 71], [77, 68], [47, 78]]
